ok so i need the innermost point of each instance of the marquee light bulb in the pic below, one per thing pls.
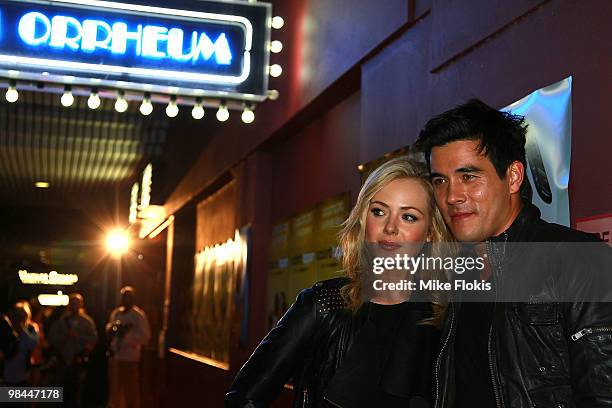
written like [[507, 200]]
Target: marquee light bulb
[[275, 70], [121, 104], [172, 109], [11, 93], [146, 107], [67, 98], [94, 100], [248, 116], [198, 110], [276, 46], [222, 113], [278, 22]]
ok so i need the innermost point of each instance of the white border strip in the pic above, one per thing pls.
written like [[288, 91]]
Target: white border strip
[[179, 76]]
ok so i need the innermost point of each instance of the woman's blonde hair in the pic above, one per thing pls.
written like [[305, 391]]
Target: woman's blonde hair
[[352, 234]]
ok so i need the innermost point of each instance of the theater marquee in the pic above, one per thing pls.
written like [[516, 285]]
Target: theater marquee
[[202, 48]]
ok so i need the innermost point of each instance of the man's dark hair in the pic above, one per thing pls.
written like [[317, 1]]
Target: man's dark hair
[[501, 135]]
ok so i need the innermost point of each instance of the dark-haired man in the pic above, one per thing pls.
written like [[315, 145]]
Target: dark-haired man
[[515, 353]]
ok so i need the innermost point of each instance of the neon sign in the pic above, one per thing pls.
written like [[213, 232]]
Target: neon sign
[[220, 48], [51, 278], [36, 29]]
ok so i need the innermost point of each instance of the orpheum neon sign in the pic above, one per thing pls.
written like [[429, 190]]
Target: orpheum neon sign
[[216, 48], [38, 30]]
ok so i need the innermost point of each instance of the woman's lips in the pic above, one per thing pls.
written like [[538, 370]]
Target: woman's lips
[[389, 245]]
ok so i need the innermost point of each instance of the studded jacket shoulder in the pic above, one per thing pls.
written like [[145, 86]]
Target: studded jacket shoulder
[[305, 348]]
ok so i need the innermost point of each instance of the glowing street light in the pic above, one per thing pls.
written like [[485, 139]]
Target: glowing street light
[[117, 242]]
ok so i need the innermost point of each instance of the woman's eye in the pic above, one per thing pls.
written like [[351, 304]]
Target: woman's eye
[[409, 217], [377, 212]]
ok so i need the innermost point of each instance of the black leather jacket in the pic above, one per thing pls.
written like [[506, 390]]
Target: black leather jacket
[[309, 345], [534, 360]]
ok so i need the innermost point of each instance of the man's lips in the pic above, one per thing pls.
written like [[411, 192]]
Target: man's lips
[[460, 216], [389, 245]]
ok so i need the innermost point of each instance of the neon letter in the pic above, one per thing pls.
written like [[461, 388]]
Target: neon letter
[[90, 35], [175, 45], [59, 32], [121, 36], [151, 36], [220, 48], [27, 28]]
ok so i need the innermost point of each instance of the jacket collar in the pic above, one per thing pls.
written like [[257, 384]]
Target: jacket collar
[[517, 232]]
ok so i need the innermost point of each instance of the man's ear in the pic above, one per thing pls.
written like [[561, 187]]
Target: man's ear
[[515, 174]]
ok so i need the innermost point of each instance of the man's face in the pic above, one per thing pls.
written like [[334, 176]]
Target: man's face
[[75, 304], [127, 299], [474, 201]]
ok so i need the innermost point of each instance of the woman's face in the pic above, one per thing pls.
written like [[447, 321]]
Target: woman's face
[[398, 214]]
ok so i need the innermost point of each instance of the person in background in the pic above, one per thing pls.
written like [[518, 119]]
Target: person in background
[[16, 373], [37, 357], [9, 338], [128, 330], [72, 337]]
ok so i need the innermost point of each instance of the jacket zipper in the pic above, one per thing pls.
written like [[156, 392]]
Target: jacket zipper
[[590, 330], [493, 380], [489, 343], [439, 362]]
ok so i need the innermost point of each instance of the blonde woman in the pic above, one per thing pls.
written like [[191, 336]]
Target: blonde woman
[[344, 343]]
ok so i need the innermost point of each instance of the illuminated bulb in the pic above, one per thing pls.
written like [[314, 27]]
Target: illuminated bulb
[[121, 104], [67, 98], [248, 116], [94, 100], [146, 107], [198, 110], [11, 94], [222, 113], [278, 22], [117, 242], [276, 46], [275, 70], [273, 94], [172, 109]]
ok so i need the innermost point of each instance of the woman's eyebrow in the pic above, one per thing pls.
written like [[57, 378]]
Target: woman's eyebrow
[[379, 203]]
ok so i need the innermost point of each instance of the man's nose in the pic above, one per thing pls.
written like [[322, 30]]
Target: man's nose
[[455, 193]]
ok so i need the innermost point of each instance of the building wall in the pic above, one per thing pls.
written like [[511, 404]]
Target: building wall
[[412, 59]]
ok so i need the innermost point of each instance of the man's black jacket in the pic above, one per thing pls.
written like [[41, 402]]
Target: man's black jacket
[[543, 352]]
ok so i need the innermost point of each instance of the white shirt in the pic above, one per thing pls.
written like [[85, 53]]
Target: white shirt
[[128, 347]]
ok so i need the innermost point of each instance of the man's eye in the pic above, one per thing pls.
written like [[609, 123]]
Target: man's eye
[[377, 212], [438, 181], [468, 177]]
